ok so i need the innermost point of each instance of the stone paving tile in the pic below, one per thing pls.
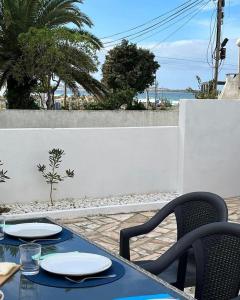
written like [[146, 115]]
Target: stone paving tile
[[104, 230]]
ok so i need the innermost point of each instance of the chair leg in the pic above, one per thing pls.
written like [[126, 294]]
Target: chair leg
[[181, 272]]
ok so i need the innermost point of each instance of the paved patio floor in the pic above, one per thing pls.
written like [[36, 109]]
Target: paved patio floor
[[104, 230]]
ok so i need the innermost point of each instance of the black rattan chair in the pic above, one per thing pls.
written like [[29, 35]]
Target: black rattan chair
[[216, 248], [191, 210]]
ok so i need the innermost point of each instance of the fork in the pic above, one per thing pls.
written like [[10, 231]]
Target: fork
[[33, 241], [88, 278]]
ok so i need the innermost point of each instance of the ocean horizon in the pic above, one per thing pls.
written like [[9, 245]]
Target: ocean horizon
[[172, 96]]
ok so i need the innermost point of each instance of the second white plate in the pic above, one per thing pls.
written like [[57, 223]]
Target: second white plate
[[76, 264], [33, 230]]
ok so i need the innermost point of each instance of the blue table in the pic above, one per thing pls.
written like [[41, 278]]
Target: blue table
[[135, 282]]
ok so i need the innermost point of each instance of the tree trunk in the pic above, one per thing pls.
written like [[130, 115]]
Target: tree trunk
[[19, 95], [51, 93], [65, 96], [49, 102]]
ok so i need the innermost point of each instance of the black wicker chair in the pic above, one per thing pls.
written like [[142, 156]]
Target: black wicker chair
[[191, 210], [216, 248]]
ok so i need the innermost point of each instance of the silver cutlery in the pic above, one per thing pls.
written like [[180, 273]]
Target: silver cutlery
[[88, 278], [39, 240]]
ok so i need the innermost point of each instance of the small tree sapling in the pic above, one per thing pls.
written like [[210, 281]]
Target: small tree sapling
[[52, 177]]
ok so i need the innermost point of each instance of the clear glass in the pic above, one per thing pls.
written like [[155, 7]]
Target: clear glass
[[29, 258], [2, 227]]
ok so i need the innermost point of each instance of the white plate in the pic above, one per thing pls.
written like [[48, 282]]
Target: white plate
[[33, 230], [76, 264], [1, 295]]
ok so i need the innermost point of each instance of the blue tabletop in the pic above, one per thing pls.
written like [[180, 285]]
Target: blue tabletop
[[134, 283]]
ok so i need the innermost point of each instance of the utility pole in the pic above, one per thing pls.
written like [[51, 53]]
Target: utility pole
[[220, 16]]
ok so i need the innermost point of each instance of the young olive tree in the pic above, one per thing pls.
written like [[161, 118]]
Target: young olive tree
[[3, 174], [52, 177], [3, 178]]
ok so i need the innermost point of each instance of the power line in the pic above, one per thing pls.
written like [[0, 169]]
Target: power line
[[180, 27], [188, 59], [148, 22], [212, 32], [168, 22], [178, 21], [158, 24]]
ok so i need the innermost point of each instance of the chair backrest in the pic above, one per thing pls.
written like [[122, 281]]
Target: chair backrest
[[217, 259], [216, 249], [195, 209]]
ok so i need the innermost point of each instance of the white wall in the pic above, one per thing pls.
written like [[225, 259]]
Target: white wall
[[86, 118], [210, 146], [203, 153], [107, 161], [231, 89]]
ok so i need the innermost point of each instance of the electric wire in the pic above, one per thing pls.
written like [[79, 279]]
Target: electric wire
[[190, 59], [158, 24], [148, 22], [180, 27], [212, 33], [167, 27]]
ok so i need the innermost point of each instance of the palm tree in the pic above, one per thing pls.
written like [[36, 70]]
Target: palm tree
[[19, 17]]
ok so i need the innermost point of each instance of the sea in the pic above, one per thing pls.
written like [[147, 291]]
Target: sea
[[172, 96]]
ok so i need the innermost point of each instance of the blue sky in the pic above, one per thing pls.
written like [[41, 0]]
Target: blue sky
[[189, 42]]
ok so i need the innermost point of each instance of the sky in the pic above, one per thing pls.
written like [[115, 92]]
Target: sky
[[187, 37]]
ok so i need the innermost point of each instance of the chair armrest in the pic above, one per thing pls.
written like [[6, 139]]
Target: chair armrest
[[127, 233], [183, 245]]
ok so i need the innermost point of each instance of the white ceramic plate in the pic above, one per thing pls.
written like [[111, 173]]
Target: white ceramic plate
[[76, 264], [1, 295], [33, 230]]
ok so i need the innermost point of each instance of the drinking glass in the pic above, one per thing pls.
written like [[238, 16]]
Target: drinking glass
[[29, 258], [2, 227]]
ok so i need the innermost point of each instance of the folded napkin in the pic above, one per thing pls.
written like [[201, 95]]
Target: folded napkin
[[6, 268]]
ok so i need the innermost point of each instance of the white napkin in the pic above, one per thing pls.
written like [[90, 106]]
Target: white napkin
[[6, 268]]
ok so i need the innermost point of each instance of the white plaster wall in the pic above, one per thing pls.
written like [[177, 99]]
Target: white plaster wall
[[231, 89], [14, 118], [107, 161], [210, 146]]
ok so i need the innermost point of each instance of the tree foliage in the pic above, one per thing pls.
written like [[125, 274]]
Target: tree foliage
[[129, 67], [49, 56], [50, 18], [204, 93]]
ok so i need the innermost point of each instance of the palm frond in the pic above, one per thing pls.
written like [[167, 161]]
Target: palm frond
[[90, 84]]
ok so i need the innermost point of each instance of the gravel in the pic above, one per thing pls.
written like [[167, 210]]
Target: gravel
[[69, 203]]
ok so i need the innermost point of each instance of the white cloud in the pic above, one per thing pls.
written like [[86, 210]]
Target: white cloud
[[177, 73]]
